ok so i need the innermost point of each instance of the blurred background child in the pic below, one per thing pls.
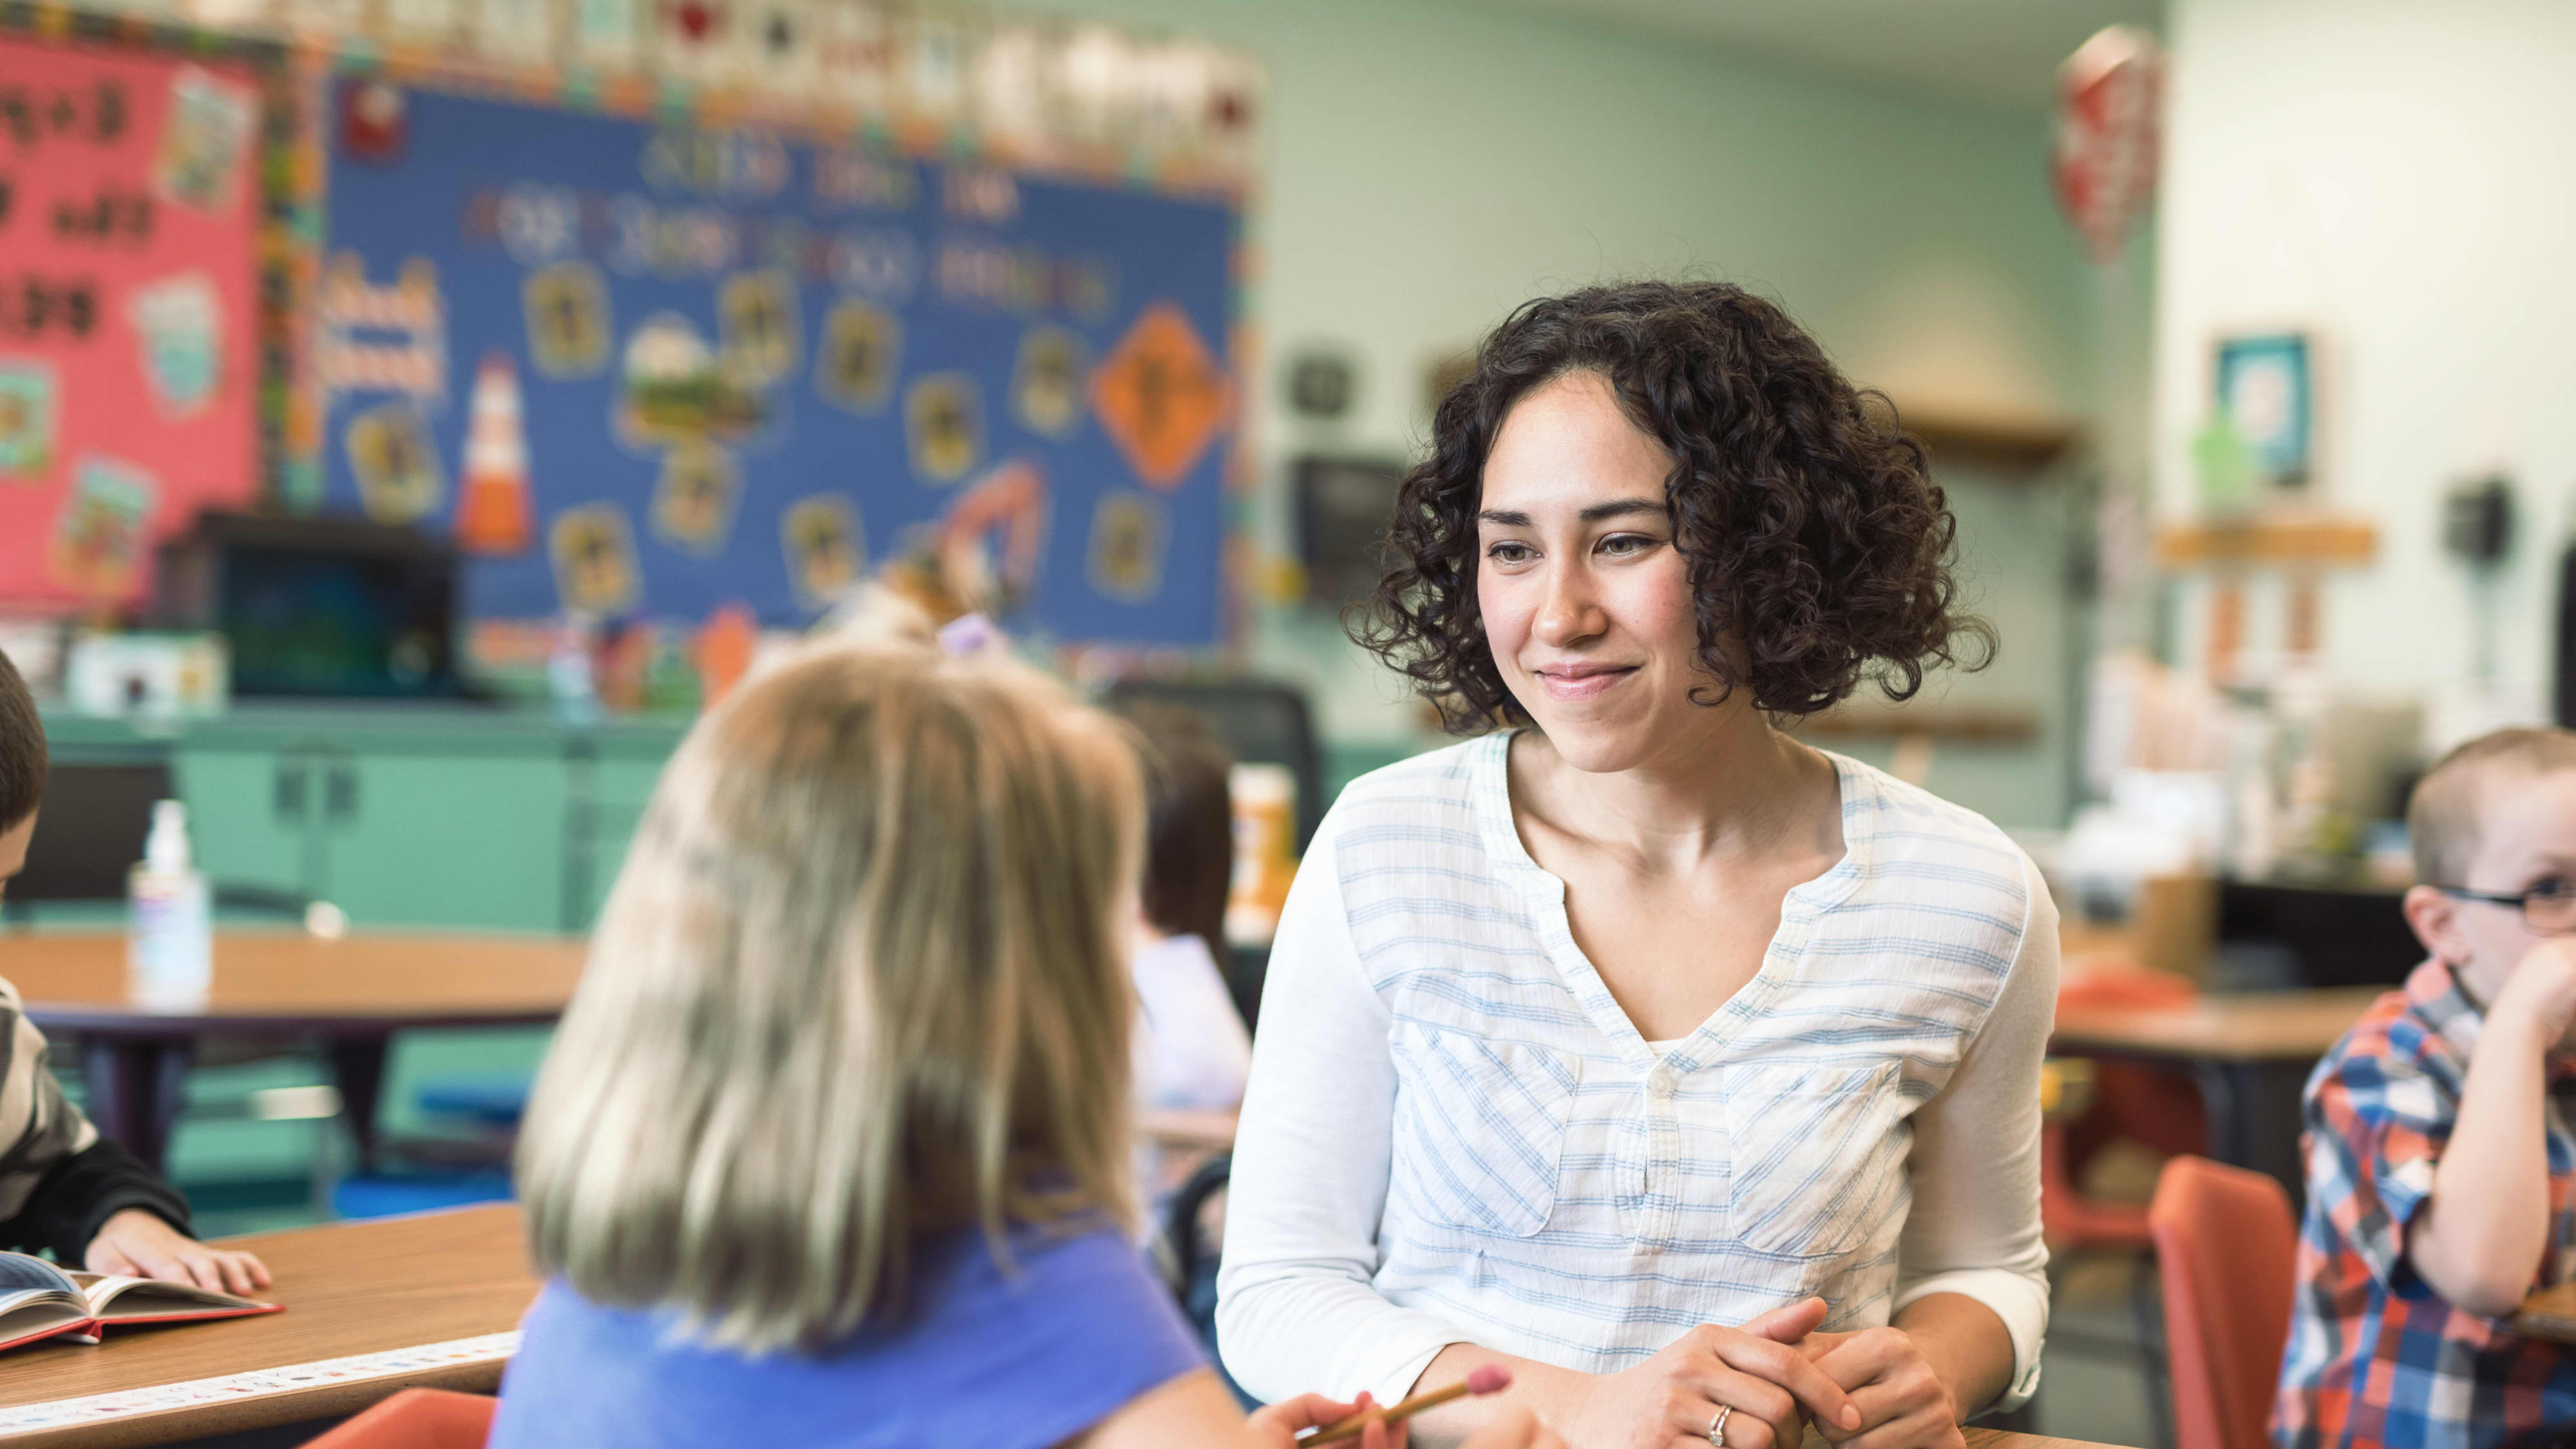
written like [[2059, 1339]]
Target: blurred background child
[[1192, 1050]]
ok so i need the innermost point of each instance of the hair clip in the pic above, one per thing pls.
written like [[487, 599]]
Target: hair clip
[[970, 634]]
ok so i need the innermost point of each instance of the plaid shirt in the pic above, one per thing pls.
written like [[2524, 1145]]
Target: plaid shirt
[[2376, 1359]]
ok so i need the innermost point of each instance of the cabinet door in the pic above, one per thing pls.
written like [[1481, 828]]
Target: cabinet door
[[609, 796], [249, 810], [462, 839]]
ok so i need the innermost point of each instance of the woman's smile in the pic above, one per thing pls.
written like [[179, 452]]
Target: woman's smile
[[1582, 679]]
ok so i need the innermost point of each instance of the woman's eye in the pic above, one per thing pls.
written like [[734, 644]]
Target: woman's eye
[[1508, 553], [2553, 886], [1627, 543]]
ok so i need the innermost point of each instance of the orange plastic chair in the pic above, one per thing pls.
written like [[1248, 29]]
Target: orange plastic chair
[[2227, 1241], [417, 1419]]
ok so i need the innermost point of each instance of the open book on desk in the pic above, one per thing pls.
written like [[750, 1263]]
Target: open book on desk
[[39, 1300]]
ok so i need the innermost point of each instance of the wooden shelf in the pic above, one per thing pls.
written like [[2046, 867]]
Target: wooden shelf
[[2028, 444], [2312, 539]]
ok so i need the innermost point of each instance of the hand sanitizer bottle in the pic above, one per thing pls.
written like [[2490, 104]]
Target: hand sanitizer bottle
[[170, 947]]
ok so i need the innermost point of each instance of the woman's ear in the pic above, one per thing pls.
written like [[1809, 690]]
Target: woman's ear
[[2436, 920]]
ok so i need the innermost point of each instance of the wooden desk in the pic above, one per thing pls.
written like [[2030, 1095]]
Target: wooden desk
[[350, 994], [2550, 1313], [1998, 1439], [2257, 1026], [2249, 1053], [350, 1288]]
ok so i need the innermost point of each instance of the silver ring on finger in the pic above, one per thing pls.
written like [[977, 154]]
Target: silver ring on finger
[[1717, 1426]]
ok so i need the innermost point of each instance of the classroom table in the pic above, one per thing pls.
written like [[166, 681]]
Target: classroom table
[[351, 995], [2550, 1313], [1182, 1129], [353, 1291], [2248, 1052]]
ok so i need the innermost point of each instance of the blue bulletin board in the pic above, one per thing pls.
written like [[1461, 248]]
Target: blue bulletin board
[[650, 369]]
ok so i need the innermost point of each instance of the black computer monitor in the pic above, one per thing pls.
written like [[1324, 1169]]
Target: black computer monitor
[[90, 828]]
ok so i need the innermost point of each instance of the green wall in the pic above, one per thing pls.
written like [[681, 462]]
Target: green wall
[[1429, 165]]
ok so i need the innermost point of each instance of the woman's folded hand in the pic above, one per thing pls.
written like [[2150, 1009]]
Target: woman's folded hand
[[1759, 1380], [1903, 1402]]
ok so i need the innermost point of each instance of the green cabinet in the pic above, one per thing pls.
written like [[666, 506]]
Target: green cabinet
[[412, 816]]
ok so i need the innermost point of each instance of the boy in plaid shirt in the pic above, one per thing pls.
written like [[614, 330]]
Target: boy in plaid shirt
[[2441, 1169]]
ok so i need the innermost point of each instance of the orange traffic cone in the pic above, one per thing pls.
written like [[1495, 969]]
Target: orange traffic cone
[[492, 516]]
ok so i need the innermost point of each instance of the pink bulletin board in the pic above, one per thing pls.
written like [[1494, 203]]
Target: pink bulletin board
[[130, 362]]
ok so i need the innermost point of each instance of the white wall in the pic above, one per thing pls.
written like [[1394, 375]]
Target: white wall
[[1431, 165], [2396, 175]]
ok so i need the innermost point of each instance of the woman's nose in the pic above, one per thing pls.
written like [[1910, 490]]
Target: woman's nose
[[1570, 612]]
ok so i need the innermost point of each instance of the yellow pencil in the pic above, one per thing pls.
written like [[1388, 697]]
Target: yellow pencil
[[1487, 1379]]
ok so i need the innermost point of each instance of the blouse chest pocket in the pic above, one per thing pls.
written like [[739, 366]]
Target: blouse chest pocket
[[1479, 1128], [1818, 1156]]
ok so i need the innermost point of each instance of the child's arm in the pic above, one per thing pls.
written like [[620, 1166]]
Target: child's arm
[[2481, 1236]]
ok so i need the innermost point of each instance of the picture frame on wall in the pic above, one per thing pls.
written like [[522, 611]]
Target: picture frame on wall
[[2265, 388]]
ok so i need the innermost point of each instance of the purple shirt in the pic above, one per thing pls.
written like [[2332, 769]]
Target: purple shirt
[[1021, 1361]]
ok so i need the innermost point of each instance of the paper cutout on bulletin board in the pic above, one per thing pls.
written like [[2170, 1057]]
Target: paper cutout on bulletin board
[[675, 391], [179, 322], [206, 137], [129, 332], [1161, 395], [28, 408], [493, 518], [382, 336], [758, 313], [568, 321], [862, 348], [1126, 558], [594, 557], [945, 422], [824, 548], [994, 535], [1046, 385], [395, 462], [100, 534], [693, 504]]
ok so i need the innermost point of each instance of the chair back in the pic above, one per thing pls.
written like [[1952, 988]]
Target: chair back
[[417, 1419], [2226, 1246], [1258, 721]]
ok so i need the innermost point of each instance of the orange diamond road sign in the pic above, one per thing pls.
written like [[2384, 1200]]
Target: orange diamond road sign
[[1161, 395]]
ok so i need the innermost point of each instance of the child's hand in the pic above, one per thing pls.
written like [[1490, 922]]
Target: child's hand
[[2542, 991], [1277, 1426], [138, 1244]]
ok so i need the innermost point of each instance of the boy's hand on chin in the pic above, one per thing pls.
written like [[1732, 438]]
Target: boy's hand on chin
[[138, 1244], [2542, 991]]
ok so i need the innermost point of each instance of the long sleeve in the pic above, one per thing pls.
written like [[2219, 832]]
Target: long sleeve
[[59, 1180], [1296, 1310], [76, 1197], [1974, 1228]]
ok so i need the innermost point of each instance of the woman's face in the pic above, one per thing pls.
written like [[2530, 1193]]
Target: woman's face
[[1586, 600]]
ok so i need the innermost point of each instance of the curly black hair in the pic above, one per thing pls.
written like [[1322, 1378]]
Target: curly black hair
[[1820, 548]]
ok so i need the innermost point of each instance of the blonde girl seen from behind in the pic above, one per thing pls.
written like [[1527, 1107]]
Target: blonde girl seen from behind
[[833, 1145]]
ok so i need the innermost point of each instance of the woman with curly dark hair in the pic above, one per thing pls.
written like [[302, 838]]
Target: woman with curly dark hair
[[1687, 1070]]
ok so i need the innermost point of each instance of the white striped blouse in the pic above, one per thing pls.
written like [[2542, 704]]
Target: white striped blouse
[[1453, 1133]]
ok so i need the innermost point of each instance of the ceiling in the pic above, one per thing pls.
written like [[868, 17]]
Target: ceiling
[[1987, 52]]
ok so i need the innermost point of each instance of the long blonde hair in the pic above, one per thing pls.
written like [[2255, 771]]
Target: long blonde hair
[[861, 978]]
